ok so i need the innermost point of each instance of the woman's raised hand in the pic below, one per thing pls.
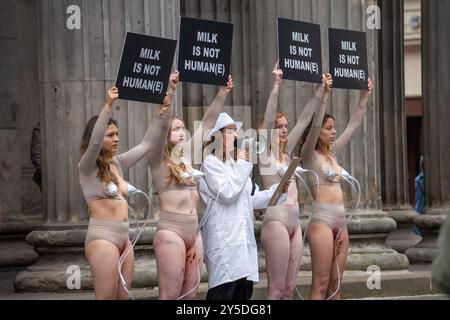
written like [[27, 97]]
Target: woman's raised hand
[[173, 81], [230, 83], [111, 95], [327, 81], [364, 97], [277, 74]]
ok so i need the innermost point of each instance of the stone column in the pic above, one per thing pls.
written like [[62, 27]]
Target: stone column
[[9, 121], [394, 173], [76, 66], [436, 99]]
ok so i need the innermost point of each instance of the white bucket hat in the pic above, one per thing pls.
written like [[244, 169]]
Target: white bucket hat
[[224, 120]]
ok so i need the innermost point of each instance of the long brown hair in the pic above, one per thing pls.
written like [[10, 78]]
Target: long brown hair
[[278, 116], [175, 169], [308, 129], [103, 159]]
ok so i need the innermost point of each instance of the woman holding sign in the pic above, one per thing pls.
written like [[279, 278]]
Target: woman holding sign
[[105, 191], [281, 235], [327, 231], [177, 243]]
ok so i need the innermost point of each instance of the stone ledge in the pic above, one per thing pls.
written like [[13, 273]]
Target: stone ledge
[[402, 216], [429, 221], [421, 254], [393, 284]]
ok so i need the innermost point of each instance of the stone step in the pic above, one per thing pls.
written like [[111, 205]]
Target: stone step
[[394, 285]]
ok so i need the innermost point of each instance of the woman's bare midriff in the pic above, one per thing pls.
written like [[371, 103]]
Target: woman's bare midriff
[[331, 194], [179, 201], [108, 209]]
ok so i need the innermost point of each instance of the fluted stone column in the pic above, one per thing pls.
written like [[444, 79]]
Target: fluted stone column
[[394, 173], [75, 69], [436, 131], [20, 198]]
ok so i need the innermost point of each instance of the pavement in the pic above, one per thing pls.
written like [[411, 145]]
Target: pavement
[[412, 284]]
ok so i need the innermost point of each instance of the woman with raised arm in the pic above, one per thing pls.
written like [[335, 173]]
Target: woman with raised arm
[[327, 232], [281, 235], [105, 191], [177, 243]]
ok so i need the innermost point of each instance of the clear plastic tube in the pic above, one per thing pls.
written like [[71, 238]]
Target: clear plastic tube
[[202, 222], [310, 216], [134, 241]]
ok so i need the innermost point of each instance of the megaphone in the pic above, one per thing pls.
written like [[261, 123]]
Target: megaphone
[[196, 175], [256, 144]]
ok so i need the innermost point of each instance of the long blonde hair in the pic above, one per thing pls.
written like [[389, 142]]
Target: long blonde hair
[[175, 168]]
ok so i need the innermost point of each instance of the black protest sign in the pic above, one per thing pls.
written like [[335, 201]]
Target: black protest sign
[[145, 68], [205, 51], [299, 50], [348, 59]]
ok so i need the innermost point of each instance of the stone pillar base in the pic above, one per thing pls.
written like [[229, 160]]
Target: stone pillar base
[[403, 237], [429, 225]]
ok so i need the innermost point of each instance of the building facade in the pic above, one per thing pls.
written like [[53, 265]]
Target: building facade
[[55, 70]]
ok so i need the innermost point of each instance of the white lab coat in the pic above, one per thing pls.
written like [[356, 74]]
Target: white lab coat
[[228, 233]]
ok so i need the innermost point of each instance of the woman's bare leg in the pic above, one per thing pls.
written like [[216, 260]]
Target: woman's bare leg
[[295, 257], [320, 238], [276, 243], [194, 261], [103, 256], [341, 245], [170, 252], [127, 272]]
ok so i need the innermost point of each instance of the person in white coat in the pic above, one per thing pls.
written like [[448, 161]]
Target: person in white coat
[[227, 224]]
